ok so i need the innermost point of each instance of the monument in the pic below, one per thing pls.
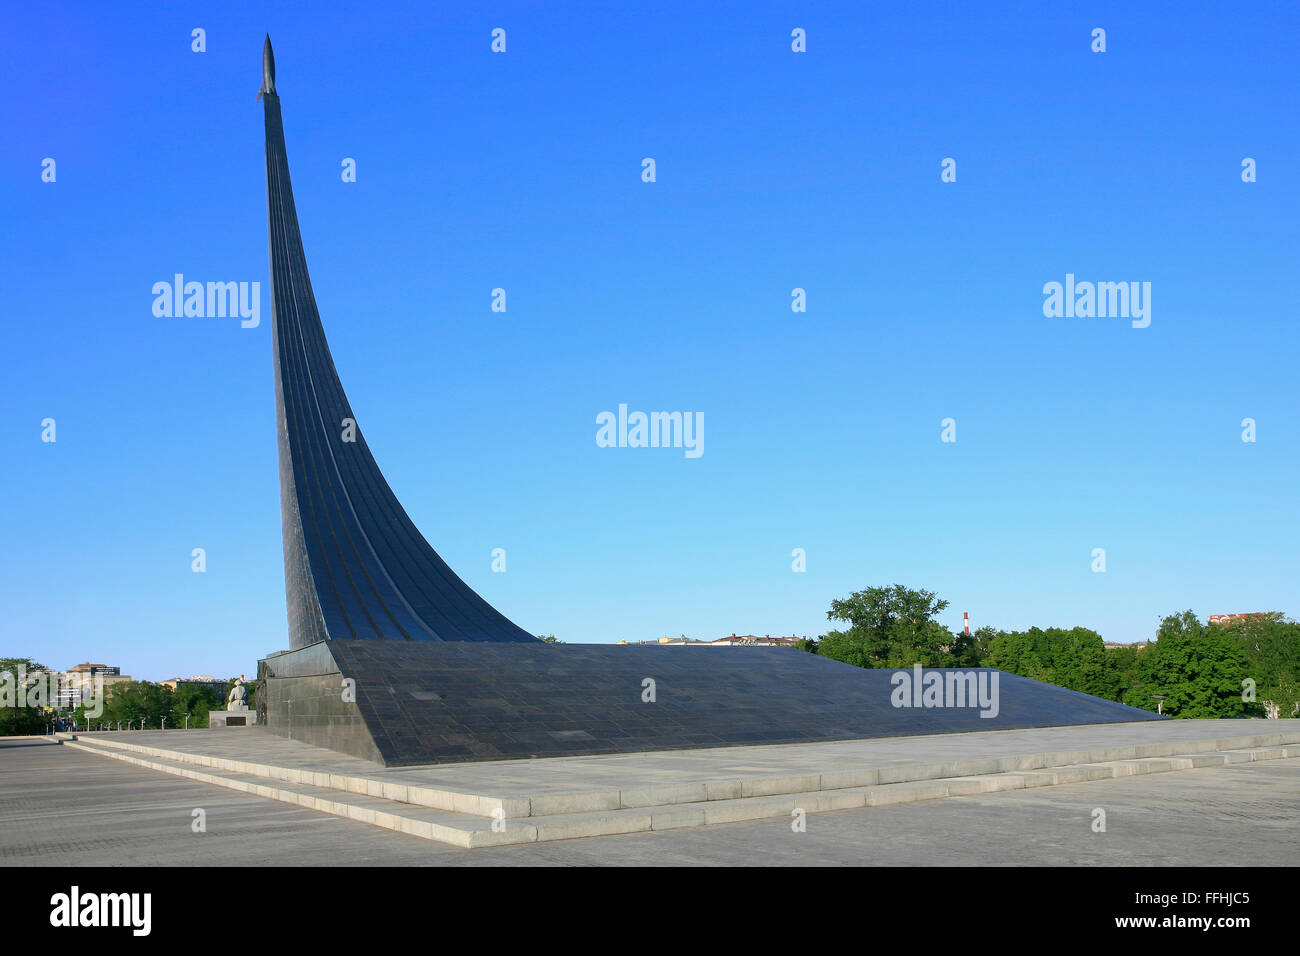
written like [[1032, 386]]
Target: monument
[[236, 713], [393, 658]]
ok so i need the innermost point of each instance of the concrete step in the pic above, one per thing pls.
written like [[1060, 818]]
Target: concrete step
[[471, 830], [401, 786], [441, 825], [393, 789]]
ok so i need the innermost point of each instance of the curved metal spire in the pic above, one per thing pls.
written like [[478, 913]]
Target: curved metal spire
[[355, 565]]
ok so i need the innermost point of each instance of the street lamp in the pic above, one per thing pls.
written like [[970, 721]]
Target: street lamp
[[164, 723], [187, 721]]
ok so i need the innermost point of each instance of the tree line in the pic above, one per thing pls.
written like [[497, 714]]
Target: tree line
[[1245, 667], [140, 700], [127, 703]]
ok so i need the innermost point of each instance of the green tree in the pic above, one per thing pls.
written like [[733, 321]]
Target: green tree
[[548, 639], [1198, 669], [1074, 659], [967, 650], [130, 702], [1123, 662], [978, 647], [890, 627], [196, 700], [12, 665], [1270, 644], [19, 673]]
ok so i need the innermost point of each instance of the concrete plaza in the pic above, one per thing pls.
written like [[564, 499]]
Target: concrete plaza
[[62, 807], [1009, 797]]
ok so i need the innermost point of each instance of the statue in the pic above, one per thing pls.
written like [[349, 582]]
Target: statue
[[236, 713]]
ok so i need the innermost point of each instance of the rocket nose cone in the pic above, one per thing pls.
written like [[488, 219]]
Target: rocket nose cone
[[268, 66]]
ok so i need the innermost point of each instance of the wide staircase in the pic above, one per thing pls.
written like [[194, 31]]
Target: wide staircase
[[481, 819]]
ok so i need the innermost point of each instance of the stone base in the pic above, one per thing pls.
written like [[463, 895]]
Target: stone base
[[232, 718], [416, 702]]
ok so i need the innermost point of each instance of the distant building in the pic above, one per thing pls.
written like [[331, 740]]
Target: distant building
[[753, 640], [680, 639], [78, 683], [202, 680], [735, 640], [93, 670]]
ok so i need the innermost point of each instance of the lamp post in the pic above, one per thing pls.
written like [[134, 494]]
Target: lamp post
[[187, 721], [164, 723]]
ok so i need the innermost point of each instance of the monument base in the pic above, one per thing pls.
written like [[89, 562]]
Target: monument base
[[232, 718], [403, 703]]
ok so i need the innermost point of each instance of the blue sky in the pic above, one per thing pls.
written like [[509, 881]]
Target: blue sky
[[775, 170]]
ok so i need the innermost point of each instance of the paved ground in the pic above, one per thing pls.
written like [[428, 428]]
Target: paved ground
[[62, 807], [632, 771]]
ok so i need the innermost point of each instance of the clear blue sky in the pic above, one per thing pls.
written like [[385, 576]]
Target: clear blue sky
[[775, 170]]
